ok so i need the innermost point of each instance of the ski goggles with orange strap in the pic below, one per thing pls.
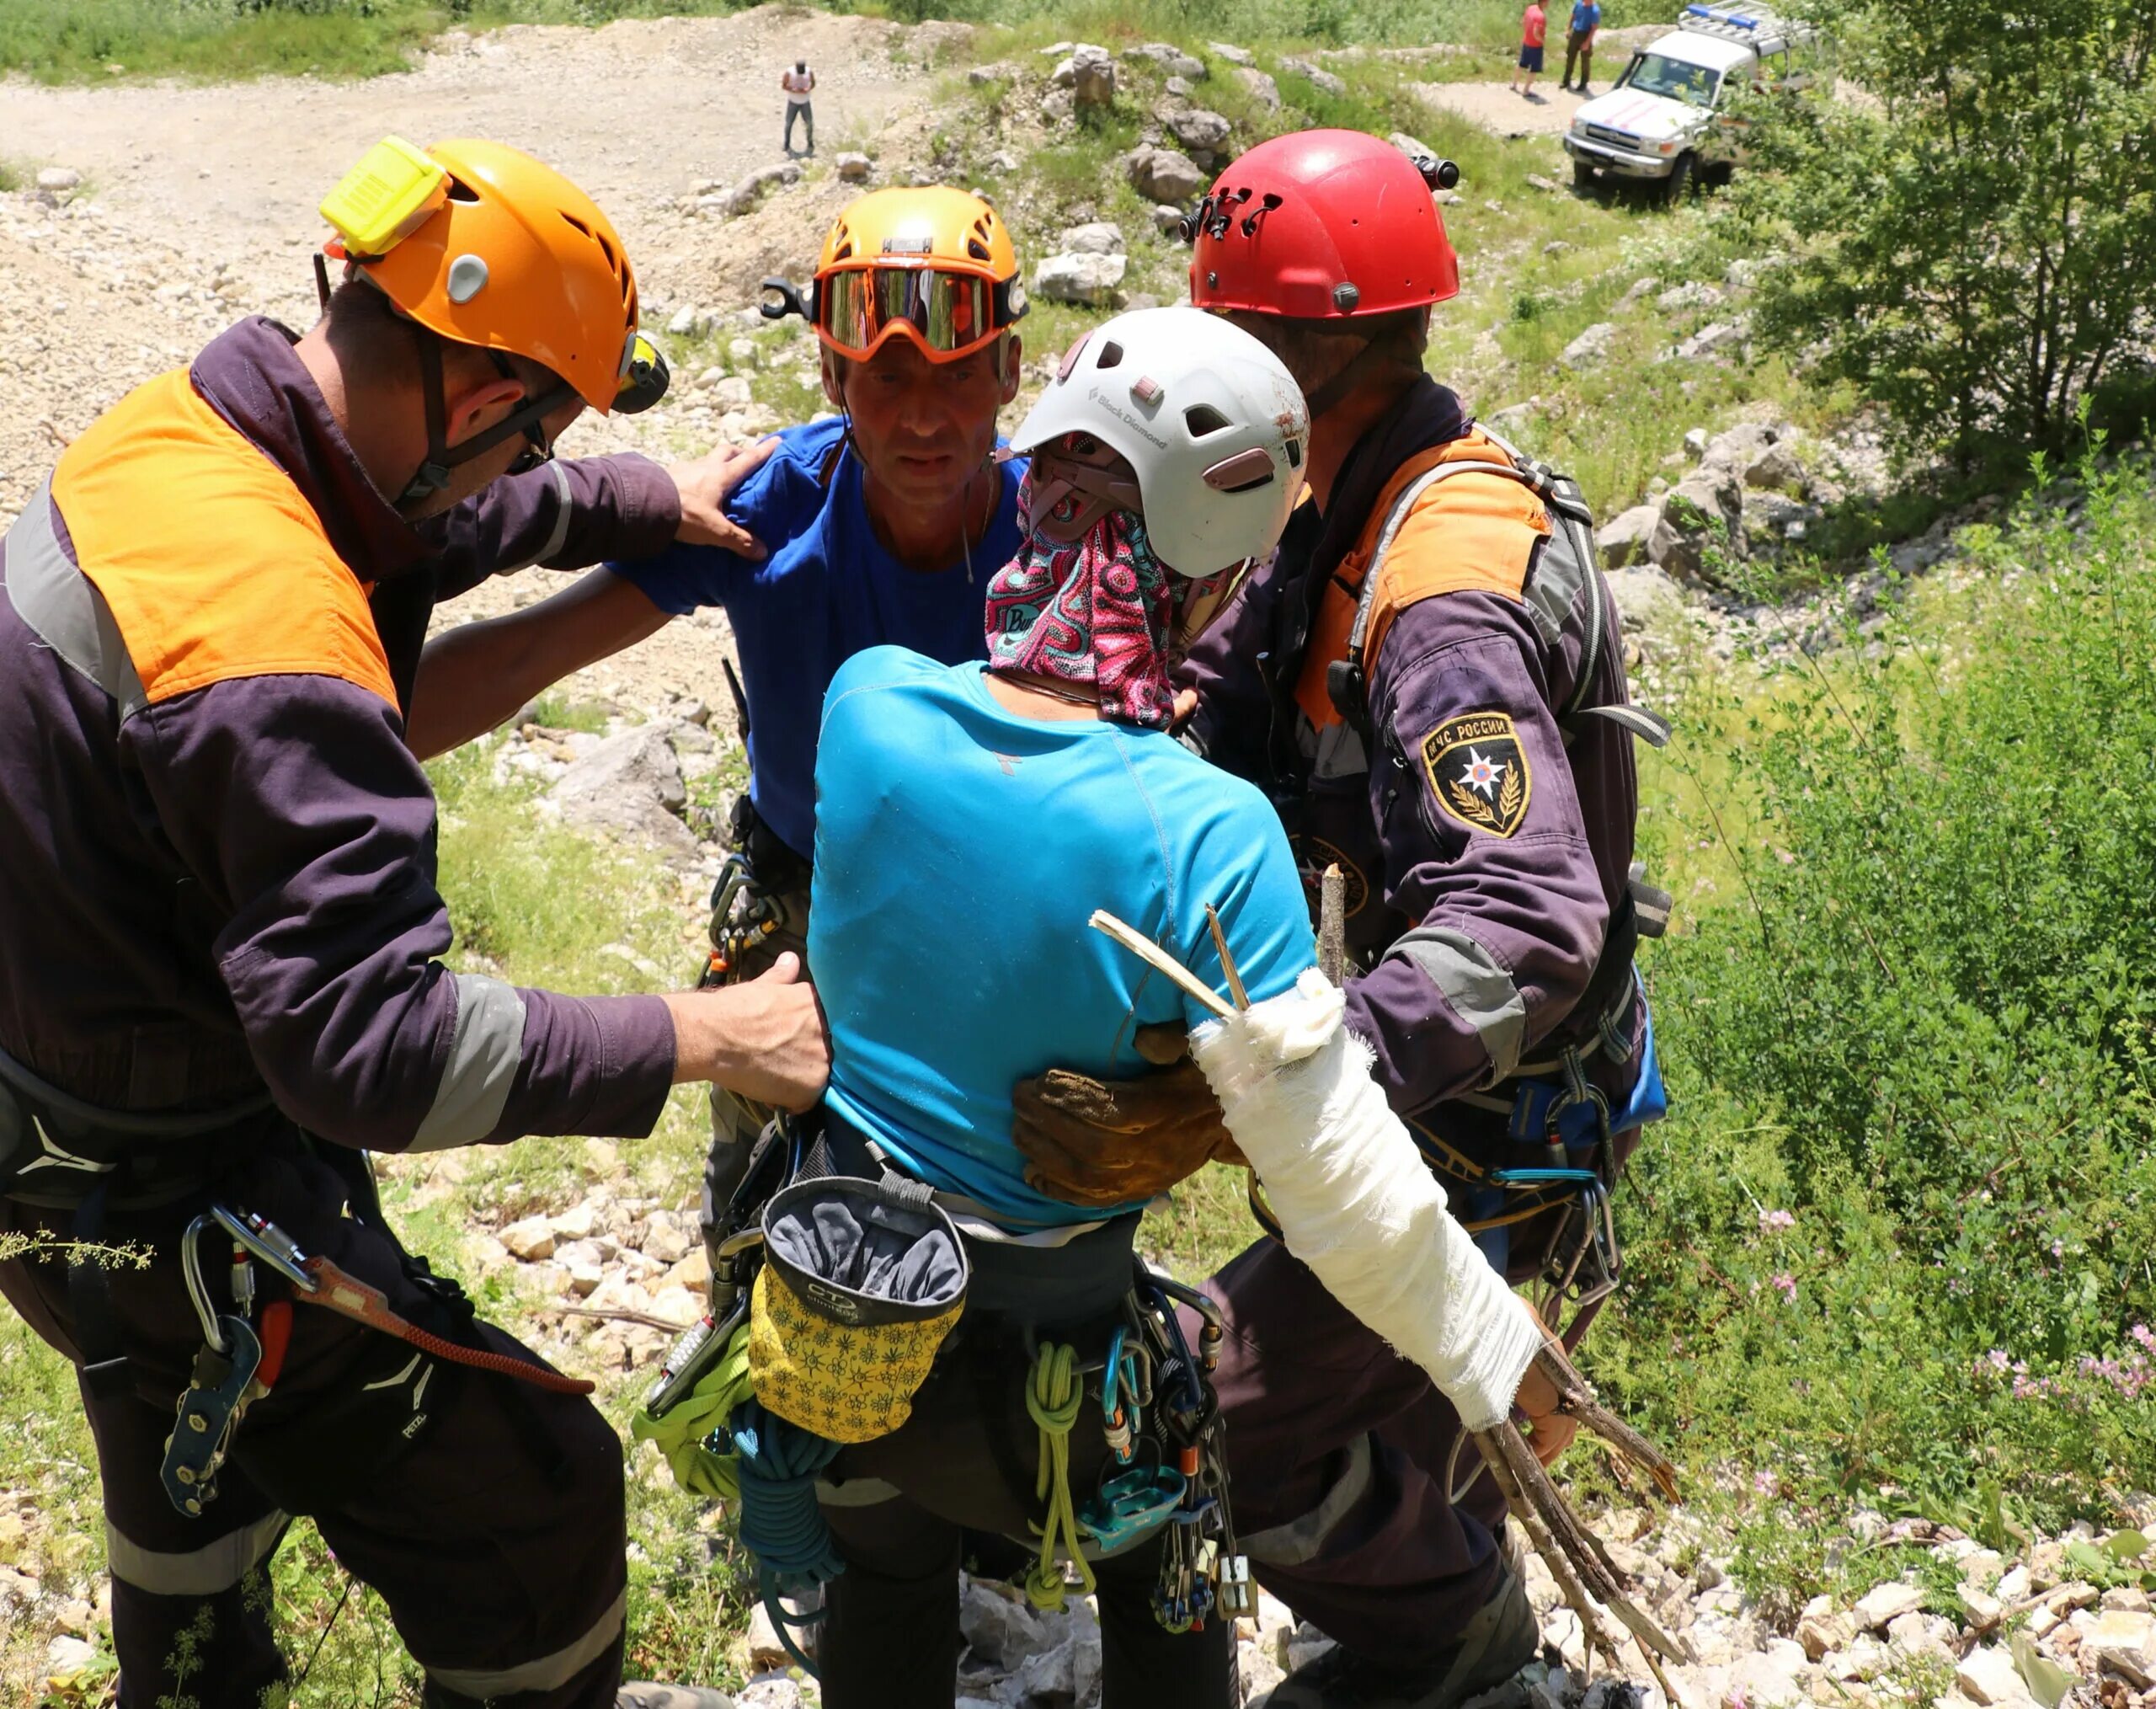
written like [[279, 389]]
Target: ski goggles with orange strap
[[856, 310]]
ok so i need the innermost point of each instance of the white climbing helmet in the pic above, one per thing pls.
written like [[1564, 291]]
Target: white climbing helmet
[[1208, 419]]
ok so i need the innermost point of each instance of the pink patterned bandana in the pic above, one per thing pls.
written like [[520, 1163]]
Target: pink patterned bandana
[[1099, 611]]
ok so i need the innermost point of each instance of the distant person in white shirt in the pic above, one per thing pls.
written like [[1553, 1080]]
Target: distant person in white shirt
[[796, 83]]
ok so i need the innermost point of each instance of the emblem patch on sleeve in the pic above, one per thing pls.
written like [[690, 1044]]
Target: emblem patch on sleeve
[[1478, 772]]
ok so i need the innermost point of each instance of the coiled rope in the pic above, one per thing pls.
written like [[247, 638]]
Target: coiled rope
[[781, 1524], [1053, 1393]]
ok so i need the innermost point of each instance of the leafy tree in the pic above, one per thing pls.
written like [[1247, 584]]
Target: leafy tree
[[1971, 204]]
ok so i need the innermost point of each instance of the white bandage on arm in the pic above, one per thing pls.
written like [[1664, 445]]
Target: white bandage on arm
[[1356, 1201]]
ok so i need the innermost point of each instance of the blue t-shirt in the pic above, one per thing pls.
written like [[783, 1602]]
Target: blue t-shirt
[[1585, 15], [828, 589], [960, 849]]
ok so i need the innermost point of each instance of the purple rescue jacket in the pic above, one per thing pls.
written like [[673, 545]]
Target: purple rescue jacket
[[204, 891], [1473, 951]]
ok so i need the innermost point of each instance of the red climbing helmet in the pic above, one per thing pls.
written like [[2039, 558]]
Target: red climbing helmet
[[1324, 225]]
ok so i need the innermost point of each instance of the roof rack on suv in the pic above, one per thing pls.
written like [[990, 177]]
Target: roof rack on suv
[[1756, 26]]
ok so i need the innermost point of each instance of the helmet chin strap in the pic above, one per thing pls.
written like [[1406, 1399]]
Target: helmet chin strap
[[442, 458]]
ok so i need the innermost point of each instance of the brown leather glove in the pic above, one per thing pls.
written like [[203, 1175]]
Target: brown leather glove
[[1100, 1143]]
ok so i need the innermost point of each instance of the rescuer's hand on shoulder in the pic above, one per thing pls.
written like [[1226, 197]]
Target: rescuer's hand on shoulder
[[706, 483]]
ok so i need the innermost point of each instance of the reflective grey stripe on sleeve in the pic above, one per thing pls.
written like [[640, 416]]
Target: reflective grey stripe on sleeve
[[62, 606], [214, 1567], [546, 1672], [1299, 1540], [559, 539], [484, 1053], [1481, 993]]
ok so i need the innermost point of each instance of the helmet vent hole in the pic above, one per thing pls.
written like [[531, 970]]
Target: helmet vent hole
[[1202, 419], [575, 224], [460, 191], [977, 249], [1111, 353]]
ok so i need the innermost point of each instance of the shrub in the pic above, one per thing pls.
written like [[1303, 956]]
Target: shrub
[[1903, 1234], [1977, 244]]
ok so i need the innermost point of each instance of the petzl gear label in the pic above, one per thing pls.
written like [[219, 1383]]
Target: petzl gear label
[[1313, 855], [1478, 772]]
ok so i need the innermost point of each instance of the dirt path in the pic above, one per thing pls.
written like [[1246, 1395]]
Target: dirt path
[[1548, 112], [199, 207]]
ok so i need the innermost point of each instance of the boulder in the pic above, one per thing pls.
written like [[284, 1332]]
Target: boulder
[[532, 1239], [1324, 81], [1198, 128], [1695, 444], [1162, 175], [1716, 337], [58, 179], [1098, 238], [1984, 1610], [1262, 87], [1916, 1633], [1823, 1633], [1703, 509], [1623, 537], [2124, 1641], [1235, 55], [1058, 107], [1170, 58], [1548, 186], [1689, 295], [1762, 1682], [1091, 279], [745, 194], [1412, 147], [1646, 599], [853, 167], [630, 784], [1990, 1676], [1775, 470], [999, 1627], [1092, 75], [1591, 346], [1168, 219]]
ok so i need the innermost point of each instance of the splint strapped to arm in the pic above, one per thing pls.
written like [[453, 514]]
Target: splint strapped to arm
[[1355, 1200]]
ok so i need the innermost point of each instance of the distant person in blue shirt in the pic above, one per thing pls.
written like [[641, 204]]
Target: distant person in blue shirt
[[1579, 42], [881, 526], [971, 818]]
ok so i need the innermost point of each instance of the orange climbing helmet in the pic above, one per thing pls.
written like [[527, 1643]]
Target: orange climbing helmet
[[483, 245], [933, 264]]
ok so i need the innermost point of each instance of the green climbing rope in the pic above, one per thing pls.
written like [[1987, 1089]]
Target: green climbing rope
[[1053, 1393]]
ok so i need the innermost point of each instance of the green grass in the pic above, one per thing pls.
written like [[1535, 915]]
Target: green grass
[[75, 40]]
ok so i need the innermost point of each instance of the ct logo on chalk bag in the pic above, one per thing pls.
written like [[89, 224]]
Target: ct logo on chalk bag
[[1478, 772]]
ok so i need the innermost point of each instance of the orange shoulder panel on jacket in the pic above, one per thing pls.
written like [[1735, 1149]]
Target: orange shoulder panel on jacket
[[213, 564], [1470, 531]]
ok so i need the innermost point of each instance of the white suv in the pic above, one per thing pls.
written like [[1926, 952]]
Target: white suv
[[1660, 118]]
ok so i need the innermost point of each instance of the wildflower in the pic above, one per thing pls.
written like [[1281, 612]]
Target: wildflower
[[1786, 1283], [1773, 1221], [2143, 1335], [1763, 1482]]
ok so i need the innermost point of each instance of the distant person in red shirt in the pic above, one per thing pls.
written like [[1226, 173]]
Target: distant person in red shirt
[[1534, 27]]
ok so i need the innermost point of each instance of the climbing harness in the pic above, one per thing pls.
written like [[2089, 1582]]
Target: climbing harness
[[238, 1363]]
